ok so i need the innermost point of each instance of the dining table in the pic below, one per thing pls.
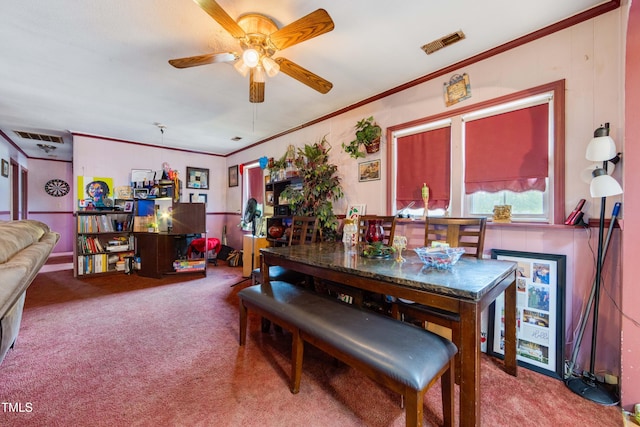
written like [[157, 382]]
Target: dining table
[[465, 289]]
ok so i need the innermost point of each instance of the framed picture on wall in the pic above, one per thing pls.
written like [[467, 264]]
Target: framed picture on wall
[[197, 177], [198, 198], [540, 283], [5, 168], [233, 176], [369, 171]]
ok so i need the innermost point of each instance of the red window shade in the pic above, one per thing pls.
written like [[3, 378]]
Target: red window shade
[[424, 158], [256, 184], [508, 151]]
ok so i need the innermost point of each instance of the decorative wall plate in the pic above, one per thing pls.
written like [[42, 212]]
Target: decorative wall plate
[[56, 188]]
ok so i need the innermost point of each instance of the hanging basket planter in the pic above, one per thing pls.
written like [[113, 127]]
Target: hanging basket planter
[[368, 134], [373, 147]]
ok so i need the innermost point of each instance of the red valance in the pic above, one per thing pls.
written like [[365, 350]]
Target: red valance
[[508, 151], [424, 158]]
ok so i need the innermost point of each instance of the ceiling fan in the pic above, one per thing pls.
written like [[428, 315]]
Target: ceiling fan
[[260, 38]]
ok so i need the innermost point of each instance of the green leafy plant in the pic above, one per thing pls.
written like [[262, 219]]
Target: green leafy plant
[[320, 187], [279, 164], [367, 132], [377, 249]]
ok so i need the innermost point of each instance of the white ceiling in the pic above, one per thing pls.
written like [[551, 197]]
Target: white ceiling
[[100, 68]]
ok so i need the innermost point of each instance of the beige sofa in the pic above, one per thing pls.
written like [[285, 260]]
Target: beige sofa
[[24, 247]]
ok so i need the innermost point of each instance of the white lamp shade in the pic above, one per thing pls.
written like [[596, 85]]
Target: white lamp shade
[[270, 66], [601, 147], [258, 74], [251, 57], [604, 185], [241, 67], [587, 173]]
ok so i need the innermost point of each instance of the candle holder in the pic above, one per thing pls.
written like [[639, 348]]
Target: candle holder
[[399, 244]]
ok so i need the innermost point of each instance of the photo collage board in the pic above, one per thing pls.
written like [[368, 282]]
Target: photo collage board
[[540, 289]]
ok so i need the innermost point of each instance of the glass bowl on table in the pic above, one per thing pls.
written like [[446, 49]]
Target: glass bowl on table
[[439, 258]]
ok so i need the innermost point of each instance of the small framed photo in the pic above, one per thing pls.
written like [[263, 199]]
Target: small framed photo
[[197, 178], [198, 198], [128, 206], [233, 176], [369, 171], [5, 168], [141, 193]]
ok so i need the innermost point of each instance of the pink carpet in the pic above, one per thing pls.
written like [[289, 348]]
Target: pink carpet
[[129, 351]]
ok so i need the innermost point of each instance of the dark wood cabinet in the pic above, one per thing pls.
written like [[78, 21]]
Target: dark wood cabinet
[[282, 215], [159, 251]]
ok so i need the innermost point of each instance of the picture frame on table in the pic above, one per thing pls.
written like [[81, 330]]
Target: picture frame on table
[[540, 301], [233, 176], [140, 193], [355, 211], [5, 168], [369, 171], [197, 178], [128, 206]]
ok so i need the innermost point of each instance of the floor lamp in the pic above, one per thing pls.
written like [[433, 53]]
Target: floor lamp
[[601, 148]]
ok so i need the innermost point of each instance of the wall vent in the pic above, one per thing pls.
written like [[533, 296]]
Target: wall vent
[[442, 42], [39, 137]]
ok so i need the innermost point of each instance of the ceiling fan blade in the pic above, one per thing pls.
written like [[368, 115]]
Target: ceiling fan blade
[[304, 76], [210, 58], [305, 28], [256, 89], [221, 17]]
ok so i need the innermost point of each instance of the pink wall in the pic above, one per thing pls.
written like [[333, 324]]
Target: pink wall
[[57, 212], [630, 378]]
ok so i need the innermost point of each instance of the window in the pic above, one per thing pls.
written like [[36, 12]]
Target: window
[[252, 187], [506, 158], [509, 150], [424, 157]]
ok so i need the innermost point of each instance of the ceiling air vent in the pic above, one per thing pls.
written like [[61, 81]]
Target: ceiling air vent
[[445, 41], [39, 137]]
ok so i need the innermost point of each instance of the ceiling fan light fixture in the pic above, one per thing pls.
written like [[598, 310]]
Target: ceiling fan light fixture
[[241, 67], [251, 57], [258, 74], [270, 66]]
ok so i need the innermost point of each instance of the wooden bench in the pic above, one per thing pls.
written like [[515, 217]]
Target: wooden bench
[[407, 359]]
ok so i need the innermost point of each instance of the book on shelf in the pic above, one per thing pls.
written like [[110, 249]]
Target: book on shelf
[[95, 224], [91, 264], [118, 248], [90, 244]]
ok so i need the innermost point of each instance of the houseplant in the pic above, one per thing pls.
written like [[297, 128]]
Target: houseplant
[[276, 168], [320, 187], [367, 134]]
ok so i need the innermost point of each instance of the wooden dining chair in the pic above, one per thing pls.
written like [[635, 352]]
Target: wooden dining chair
[[303, 231], [467, 233], [355, 296], [388, 226]]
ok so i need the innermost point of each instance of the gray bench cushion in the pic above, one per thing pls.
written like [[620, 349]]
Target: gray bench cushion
[[408, 354], [282, 274]]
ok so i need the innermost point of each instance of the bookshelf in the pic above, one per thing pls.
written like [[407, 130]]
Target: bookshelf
[[102, 241]]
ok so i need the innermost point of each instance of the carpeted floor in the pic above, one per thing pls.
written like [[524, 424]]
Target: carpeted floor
[[129, 351]]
